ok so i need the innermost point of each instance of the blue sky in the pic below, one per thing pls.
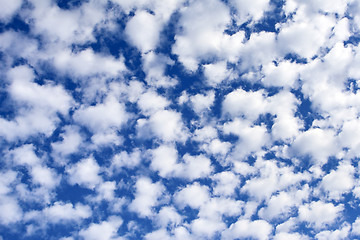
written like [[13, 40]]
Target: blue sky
[[179, 119]]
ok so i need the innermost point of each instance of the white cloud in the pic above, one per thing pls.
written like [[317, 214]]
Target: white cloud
[[60, 212], [251, 138], [146, 197], [338, 181], [201, 36], [216, 73], [250, 10], [103, 116], [320, 214], [70, 143], [143, 31], [154, 65], [316, 142], [38, 105], [158, 234], [124, 159], [355, 228], [240, 103], [258, 229], [206, 228], [9, 9], [10, 211], [168, 216], [305, 37], [72, 26], [284, 74], [193, 196], [289, 236], [88, 63], [202, 102], [85, 173], [164, 160], [342, 233], [106, 230], [150, 102], [225, 183], [168, 126]]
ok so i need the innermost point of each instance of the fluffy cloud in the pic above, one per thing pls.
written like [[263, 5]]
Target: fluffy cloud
[[146, 196], [85, 173]]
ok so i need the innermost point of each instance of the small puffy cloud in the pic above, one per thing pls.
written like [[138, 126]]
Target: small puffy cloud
[[38, 105], [70, 143], [44, 176], [168, 216], [202, 102], [9, 9], [203, 227], [220, 207], [126, 160], [338, 181], [241, 103], [251, 138], [10, 211], [103, 116], [193, 196], [195, 167], [105, 191], [225, 183], [24, 155], [85, 173], [154, 66], [278, 206], [88, 63], [150, 102], [215, 73], [200, 22], [106, 230], [356, 227], [72, 26], [59, 213], [319, 214], [164, 160], [283, 74], [250, 10], [258, 229], [289, 236], [342, 233], [143, 31], [320, 144], [158, 234], [305, 37], [146, 196], [168, 126], [205, 134], [217, 147]]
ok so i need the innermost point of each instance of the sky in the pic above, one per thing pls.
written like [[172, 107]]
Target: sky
[[179, 119]]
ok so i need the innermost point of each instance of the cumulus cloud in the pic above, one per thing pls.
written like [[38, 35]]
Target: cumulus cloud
[[179, 119], [146, 196], [85, 173]]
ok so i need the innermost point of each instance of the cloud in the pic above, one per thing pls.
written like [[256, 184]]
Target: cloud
[[10, 8], [320, 214], [85, 173], [106, 230], [146, 196], [259, 229], [104, 116], [143, 31]]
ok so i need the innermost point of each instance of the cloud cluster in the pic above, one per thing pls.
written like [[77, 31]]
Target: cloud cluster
[[196, 119]]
